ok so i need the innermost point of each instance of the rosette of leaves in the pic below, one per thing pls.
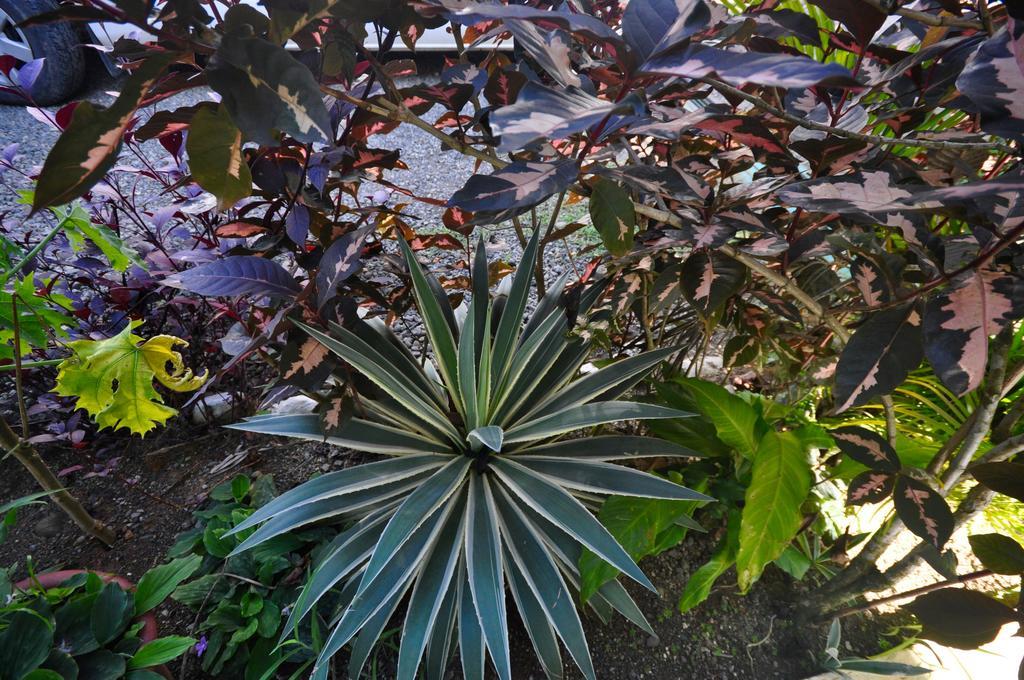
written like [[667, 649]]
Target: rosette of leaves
[[241, 598], [481, 491], [87, 628]]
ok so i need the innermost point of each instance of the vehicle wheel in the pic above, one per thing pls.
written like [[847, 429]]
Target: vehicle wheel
[[58, 43]]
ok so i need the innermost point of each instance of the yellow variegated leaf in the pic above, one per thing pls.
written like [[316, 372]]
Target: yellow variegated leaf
[[113, 379]]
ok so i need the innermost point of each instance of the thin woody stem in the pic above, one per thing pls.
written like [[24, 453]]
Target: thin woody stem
[[908, 595], [838, 132], [31, 460]]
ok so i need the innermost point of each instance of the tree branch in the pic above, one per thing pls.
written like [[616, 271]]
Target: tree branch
[[755, 265], [926, 18]]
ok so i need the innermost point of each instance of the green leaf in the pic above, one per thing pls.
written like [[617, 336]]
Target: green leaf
[[111, 613], [780, 481], [90, 144], [158, 583], [160, 651], [101, 664], [265, 89], [698, 586], [215, 156], [113, 379], [25, 643], [736, 422], [79, 227], [613, 215], [1000, 554], [43, 674], [641, 526]]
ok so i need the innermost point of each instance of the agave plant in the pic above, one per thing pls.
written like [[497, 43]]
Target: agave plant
[[481, 490]]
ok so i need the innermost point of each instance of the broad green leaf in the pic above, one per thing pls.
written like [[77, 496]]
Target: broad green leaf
[[101, 664], [780, 481], [113, 379], [159, 582], [998, 553], [160, 651], [735, 421], [698, 586], [79, 227], [265, 89], [611, 211], [111, 613], [90, 144], [38, 317], [215, 158], [25, 643], [641, 525]]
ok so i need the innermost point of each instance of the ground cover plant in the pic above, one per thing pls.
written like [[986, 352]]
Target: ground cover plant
[[826, 195]]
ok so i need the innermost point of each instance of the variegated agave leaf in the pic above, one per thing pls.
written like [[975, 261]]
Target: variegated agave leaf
[[481, 489]]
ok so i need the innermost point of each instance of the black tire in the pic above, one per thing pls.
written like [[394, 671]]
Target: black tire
[[64, 68]]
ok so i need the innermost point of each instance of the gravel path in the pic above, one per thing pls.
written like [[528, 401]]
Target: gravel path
[[434, 172]]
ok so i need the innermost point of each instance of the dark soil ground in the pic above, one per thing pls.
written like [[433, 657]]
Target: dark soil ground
[[150, 494]]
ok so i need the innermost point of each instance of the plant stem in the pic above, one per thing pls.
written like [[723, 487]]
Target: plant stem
[[32, 253], [28, 457], [838, 132], [25, 365], [18, 387]]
